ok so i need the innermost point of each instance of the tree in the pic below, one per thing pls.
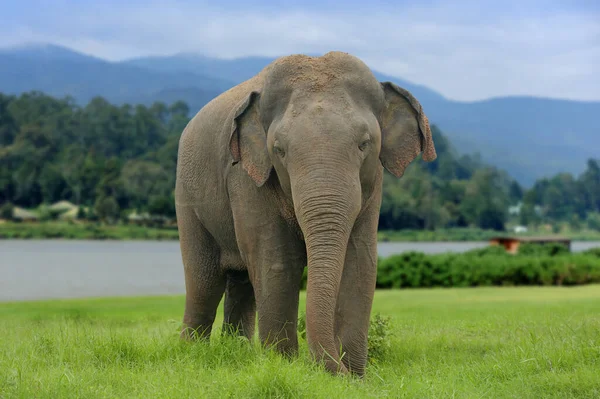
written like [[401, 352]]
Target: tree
[[162, 206], [590, 182], [8, 126], [53, 149], [6, 211], [180, 108], [486, 200], [143, 180], [107, 209], [515, 192], [593, 221]]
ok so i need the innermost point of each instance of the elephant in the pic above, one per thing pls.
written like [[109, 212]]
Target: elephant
[[284, 172]]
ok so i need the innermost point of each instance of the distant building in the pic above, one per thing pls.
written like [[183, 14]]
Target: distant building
[[520, 229]]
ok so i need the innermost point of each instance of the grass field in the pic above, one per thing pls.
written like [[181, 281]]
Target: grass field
[[463, 343]]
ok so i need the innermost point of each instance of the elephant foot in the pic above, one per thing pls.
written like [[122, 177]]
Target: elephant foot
[[285, 346], [336, 368], [195, 332]]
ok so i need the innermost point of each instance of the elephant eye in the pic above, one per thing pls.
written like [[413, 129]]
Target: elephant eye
[[364, 144], [279, 151]]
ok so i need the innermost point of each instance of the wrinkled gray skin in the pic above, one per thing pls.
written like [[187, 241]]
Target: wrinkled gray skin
[[283, 171]]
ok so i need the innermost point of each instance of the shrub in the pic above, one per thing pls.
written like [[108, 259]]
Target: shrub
[[380, 332], [550, 249], [593, 252], [491, 266], [537, 265]]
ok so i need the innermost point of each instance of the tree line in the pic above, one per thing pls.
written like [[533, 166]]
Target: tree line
[[113, 159]]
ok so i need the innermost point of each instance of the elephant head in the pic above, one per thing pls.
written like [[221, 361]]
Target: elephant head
[[326, 126]]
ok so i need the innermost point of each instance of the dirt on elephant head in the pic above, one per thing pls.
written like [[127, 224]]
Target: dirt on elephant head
[[315, 74]]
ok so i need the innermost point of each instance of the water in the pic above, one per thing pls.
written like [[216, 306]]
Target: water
[[66, 269]]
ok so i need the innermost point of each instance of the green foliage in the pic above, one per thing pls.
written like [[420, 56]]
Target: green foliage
[[81, 213], [379, 338], [6, 211], [87, 231], [550, 249], [534, 265], [107, 209], [52, 149], [47, 214], [450, 234], [593, 252], [450, 192], [593, 221], [162, 205], [380, 333]]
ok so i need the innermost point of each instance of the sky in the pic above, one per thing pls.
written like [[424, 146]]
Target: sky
[[466, 50]]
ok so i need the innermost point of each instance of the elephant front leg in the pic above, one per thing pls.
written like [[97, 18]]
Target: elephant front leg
[[355, 297], [277, 290], [276, 259]]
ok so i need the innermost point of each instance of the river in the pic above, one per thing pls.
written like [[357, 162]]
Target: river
[[44, 269]]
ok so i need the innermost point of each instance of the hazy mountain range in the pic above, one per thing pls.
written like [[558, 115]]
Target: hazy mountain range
[[529, 137]]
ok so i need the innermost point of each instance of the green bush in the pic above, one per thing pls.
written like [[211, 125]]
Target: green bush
[[537, 265], [380, 332], [551, 249], [592, 252]]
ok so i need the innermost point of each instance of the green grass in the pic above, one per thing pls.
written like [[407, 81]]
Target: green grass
[[476, 234], [84, 231], [89, 231], [465, 343]]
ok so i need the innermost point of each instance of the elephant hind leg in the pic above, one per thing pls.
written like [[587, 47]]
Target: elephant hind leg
[[240, 305], [204, 279]]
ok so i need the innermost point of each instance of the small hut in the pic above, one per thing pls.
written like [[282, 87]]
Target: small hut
[[511, 244]]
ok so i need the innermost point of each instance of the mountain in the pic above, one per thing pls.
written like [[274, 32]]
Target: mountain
[[239, 69], [528, 137], [58, 71]]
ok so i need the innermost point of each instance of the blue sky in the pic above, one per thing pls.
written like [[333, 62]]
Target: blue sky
[[466, 50]]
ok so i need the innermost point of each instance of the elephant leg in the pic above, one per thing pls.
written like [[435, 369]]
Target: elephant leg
[[240, 305], [355, 297], [277, 258], [277, 305], [204, 279]]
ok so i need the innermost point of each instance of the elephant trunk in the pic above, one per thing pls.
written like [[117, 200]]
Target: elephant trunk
[[326, 205]]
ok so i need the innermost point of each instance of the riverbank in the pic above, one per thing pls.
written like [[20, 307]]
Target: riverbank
[[93, 231], [84, 231]]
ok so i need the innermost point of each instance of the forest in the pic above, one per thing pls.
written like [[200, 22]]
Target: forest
[[112, 160]]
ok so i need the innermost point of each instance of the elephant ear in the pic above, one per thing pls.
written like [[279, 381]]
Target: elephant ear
[[405, 130], [248, 141]]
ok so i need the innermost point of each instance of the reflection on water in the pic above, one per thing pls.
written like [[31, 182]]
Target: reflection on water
[[61, 269]]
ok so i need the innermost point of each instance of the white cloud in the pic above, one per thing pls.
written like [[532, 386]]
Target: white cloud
[[461, 52]]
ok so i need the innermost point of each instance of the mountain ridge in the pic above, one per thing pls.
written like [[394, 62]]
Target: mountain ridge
[[509, 132]]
